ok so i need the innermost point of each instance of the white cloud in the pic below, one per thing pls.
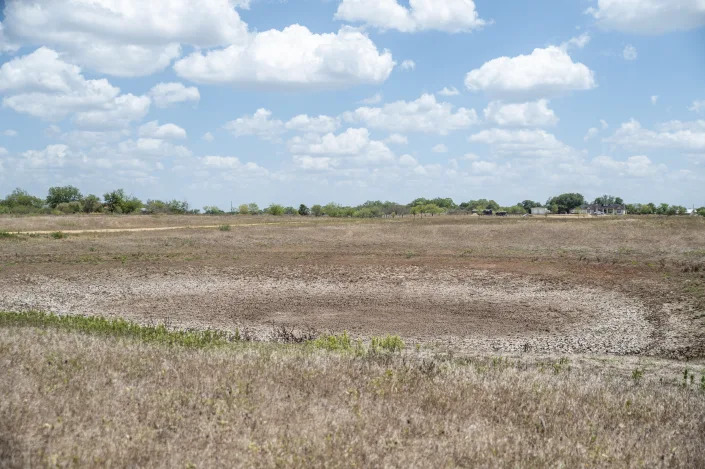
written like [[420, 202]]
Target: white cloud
[[42, 85], [537, 143], [673, 135], [53, 156], [545, 72], [483, 167], [452, 91], [578, 42], [635, 166], [166, 94], [354, 144], [5, 44], [167, 131], [423, 115], [654, 99], [294, 57], [440, 148], [408, 160], [320, 124], [233, 163], [152, 147], [259, 124], [397, 139], [124, 37], [604, 124], [321, 163], [3, 151], [591, 133], [630, 52], [649, 16], [698, 106], [531, 114], [408, 65], [9, 133], [208, 137], [444, 15], [376, 99]]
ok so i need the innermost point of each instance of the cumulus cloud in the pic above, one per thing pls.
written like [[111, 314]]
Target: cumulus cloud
[[654, 99], [397, 139], [422, 115], [635, 166], [375, 99], [232, 163], [452, 16], [152, 148], [167, 131], [408, 160], [531, 114], [9, 133], [208, 137], [53, 156], [42, 85], [591, 133], [260, 124], [630, 52], [698, 106], [576, 42], [294, 57], [452, 91], [408, 65], [167, 94], [440, 148], [537, 143], [320, 124], [544, 72], [5, 44], [3, 151], [353, 144], [673, 135], [649, 16], [311, 163], [124, 37]]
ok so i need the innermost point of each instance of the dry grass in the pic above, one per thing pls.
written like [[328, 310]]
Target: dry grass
[[76, 399]]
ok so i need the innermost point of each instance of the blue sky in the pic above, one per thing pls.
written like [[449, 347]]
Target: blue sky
[[311, 101]]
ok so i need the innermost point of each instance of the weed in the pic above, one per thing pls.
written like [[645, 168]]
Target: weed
[[410, 254], [7, 235], [118, 328], [390, 343], [560, 365], [291, 336], [58, 235], [224, 227], [637, 374], [338, 343]]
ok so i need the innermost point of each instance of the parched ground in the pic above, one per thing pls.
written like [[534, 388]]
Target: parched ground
[[628, 286]]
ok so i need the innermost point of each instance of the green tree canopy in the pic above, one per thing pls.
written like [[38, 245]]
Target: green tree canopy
[[566, 202], [62, 195]]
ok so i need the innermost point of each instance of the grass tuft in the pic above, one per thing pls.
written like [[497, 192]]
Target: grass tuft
[[224, 227], [118, 328], [59, 235]]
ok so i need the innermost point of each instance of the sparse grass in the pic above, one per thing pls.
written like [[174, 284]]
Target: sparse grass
[[224, 228], [76, 393], [58, 235], [7, 235]]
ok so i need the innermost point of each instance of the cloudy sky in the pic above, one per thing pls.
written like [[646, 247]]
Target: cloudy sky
[[310, 101]]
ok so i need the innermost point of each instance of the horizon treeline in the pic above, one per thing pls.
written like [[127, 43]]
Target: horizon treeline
[[69, 200]]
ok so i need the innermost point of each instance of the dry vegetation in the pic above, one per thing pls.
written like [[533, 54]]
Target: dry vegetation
[[530, 342]]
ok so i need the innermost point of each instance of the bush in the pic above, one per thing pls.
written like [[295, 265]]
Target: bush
[[224, 227], [63, 195], [276, 210], [69, 207], [391, 343], [59, 235], [212, 210]]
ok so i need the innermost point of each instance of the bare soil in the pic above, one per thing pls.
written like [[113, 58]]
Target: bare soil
[[609, 286]]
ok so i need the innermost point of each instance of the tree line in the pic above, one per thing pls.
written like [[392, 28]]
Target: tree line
[[70, 200]]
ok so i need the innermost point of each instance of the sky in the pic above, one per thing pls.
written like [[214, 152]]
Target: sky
[[312, 101]]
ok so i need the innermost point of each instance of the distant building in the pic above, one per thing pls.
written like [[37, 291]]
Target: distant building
[[600, 209], [539, 211]]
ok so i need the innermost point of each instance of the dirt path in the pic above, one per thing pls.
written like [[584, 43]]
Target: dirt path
[[159, 228]]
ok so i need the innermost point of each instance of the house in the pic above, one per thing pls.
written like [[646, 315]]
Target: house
[[539, 211], [600, 209]]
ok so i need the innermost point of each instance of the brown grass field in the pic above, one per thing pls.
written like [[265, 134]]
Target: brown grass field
[[529, 342]]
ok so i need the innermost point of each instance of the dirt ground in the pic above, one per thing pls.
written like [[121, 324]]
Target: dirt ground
[[628, 286]]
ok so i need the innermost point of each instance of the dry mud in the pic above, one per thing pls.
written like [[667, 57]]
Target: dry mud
[[475, 310]]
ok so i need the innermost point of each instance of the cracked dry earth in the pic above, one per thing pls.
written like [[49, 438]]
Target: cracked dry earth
[[468, 305]]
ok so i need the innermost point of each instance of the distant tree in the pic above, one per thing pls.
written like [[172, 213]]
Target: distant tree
[[701, 211], [662, 209], [333, 210], [253, 209], [290, 211], [317, 210], [566, 202], [433, 209], [527, 205], [304, 210], [275, 209], [63, 194], [114, 201], [515, 210], [91, 204], [22, 198], [131, 204], [212, 210], [608, 200], [243, 209], [446, 203]]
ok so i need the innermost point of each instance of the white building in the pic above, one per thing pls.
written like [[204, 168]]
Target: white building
[[539, 211]]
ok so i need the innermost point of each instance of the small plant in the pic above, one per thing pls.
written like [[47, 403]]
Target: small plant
[[59, 235], [224, 227], [338, 343], [637, 374], [702, 383], [560, 365], [391, 343], [410, 254]]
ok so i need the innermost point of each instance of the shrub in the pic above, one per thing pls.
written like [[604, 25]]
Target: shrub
[[59, 235], [224, 227], [390, 343], [340, 343]]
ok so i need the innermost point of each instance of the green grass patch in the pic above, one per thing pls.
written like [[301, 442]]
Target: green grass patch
[[224, 227], [118, 328], [390, 343], [59, 235]]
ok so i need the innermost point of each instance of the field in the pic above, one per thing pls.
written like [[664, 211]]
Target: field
[[528, 342]]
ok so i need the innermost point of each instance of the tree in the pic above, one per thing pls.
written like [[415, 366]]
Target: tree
[[317, 210], [91, 204], [566, 202], [21, 198], [304, 210], [212, 210], [275, 209], [527, 205], [701, 211], [114, 201], [63, 195], [243, 209], [253, 209]]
